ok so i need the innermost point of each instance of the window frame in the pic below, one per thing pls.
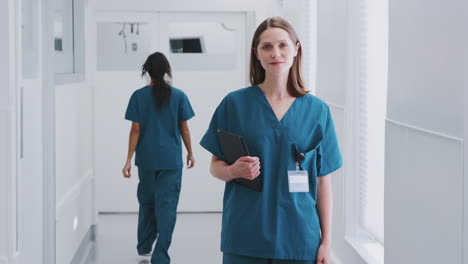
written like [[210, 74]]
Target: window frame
[[78, 43], [359, 239]]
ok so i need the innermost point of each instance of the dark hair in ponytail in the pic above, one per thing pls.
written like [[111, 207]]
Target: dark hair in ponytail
[[157, 66]]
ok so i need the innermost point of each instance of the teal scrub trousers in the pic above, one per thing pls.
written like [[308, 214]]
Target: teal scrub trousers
[[158, 196], [238, 259]]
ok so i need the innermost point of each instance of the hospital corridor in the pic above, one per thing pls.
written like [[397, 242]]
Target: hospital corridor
[[233, 132]]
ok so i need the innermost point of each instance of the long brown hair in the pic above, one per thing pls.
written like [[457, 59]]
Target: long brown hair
[[295, 83]]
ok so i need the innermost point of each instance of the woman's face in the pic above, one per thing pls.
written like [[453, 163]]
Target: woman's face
[[276, 51]]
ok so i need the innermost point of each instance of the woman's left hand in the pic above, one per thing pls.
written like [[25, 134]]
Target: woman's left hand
[[190, 161], [323, 254]]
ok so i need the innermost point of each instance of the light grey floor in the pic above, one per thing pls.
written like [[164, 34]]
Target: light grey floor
[[196, 240]]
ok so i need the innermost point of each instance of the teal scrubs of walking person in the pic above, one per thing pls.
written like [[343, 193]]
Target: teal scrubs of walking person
[[293, 146], [159, 114]]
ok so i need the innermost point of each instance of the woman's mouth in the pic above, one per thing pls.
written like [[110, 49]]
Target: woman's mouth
[[276, 63]]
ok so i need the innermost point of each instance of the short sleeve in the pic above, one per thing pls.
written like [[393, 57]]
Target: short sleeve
[[219, 120], [132, 112], [185, 109], [329, 156]]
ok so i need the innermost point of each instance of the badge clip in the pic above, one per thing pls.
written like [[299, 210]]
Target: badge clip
[[299, 158]]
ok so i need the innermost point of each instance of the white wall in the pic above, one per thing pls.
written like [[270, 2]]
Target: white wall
[[74, 119], [424, 133], [331, 51], [428, 64], [74, 167], [7, 132]]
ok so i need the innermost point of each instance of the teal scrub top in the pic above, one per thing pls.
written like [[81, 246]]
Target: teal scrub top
[[159, 145], [274, 223]]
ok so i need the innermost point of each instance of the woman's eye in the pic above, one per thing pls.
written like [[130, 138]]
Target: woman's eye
[[282, 45], [266, 47]]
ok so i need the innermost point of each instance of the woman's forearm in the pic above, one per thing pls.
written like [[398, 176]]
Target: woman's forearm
[[132, 142], [324, 207], [220, 169], [185, 134]]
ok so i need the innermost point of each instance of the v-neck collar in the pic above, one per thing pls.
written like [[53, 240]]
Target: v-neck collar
[[267, 104]]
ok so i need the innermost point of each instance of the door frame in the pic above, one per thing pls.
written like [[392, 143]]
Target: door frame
[[48, 90]]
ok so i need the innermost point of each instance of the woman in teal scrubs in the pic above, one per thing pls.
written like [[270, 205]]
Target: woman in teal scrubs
[[159, 115], [293, 146]]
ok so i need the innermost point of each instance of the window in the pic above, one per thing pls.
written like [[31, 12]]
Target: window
[[29, 39], [68, 34], [373, 91], [186, 45], [369, 55]]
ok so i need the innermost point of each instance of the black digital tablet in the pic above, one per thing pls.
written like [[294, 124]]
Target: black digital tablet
[[234, 147]]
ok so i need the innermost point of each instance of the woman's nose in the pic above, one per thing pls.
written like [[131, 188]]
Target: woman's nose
[[275, 53]]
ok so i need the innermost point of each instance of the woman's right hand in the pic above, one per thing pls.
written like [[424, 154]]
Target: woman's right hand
[[245, 167], [126, 171]]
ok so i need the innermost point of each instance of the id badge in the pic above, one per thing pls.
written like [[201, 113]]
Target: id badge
[[298, 181]]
